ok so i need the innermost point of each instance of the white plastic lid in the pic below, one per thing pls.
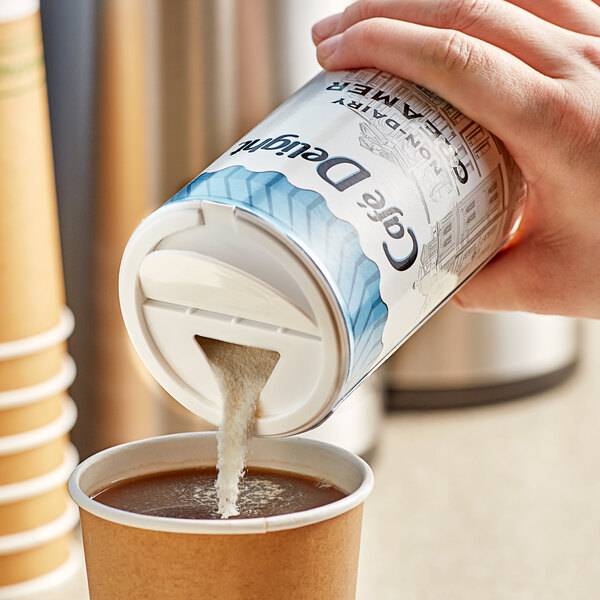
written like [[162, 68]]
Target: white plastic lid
[[199, 268]]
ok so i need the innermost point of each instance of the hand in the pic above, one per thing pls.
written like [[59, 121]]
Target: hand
[[529, 71]]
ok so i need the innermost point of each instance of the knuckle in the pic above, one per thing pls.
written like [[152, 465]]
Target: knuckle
[[366, 9], [461, 14], [362, 34], [359, 11], [351, 13], [590, 51], [449, 50]]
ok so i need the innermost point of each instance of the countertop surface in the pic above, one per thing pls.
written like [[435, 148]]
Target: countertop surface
[[494, 503]]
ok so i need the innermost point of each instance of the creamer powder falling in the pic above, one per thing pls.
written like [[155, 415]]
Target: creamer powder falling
[[242, 372]]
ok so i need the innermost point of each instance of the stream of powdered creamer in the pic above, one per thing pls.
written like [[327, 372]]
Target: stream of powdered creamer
[[242, 373]]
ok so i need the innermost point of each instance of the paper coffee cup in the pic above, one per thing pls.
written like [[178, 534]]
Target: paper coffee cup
[[37, 501], [41, 341], [31, 369], [36, 405], [35, 452], [37, 551], [41, 586], [57, 383], [31, 278], [29, 361], [31, 416], [308, 555]]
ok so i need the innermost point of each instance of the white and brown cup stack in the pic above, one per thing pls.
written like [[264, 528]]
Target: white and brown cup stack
[[36, 413]]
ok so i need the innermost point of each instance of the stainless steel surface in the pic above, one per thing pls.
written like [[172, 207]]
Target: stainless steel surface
[[458, 350]]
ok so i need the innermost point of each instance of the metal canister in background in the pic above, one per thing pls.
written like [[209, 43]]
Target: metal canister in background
[[462, 358], [328, 234]]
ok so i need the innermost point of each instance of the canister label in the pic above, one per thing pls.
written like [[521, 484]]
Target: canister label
[[395, 195]]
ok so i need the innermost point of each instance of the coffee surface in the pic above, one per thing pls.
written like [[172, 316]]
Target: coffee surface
[[191, 494]]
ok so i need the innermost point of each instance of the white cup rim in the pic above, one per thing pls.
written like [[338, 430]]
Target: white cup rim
[[19, 442], [25, 540], [47, 581], [49, 387], [13, 492], [294, 446], [41, 341]]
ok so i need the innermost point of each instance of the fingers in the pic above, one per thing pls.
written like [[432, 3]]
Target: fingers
[[326, 27], [516, 280], [459, 68], [581, 16], [494, 21]]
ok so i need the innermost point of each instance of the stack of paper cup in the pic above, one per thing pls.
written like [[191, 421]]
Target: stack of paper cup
[[36, 458], [36, 413]]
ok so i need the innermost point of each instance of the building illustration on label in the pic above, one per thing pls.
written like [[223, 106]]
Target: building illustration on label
[[437, 148], [467, 236]]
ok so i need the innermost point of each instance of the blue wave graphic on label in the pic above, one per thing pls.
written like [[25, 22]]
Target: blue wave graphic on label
[[332, 243]]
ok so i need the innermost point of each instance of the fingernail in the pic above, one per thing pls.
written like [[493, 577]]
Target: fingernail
[[325, 28], [327, 47]]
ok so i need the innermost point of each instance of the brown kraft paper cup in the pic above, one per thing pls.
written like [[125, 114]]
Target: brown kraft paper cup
[[35, 359], [31, 369], [35, 452], [32, 462], [37, 501], [21, 566], [32, 512], [19, 419], [309, 555], [31, 279], [35, 552]]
